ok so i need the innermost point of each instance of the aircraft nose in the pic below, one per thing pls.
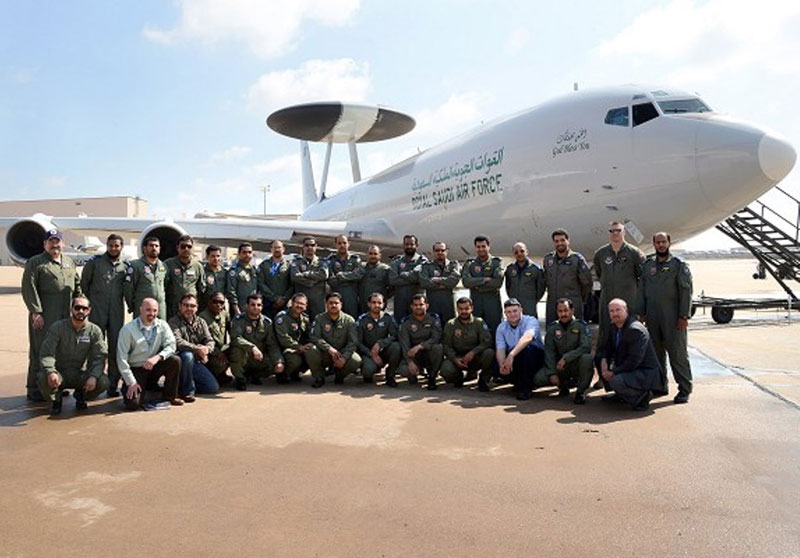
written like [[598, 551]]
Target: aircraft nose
[[776, 157]]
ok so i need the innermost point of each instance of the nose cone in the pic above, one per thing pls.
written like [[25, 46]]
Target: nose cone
[[776, 157]]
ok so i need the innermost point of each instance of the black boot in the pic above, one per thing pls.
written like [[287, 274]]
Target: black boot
[[80, 401]]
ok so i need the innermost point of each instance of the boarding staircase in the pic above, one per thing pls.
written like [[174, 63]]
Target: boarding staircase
[[777, 248]]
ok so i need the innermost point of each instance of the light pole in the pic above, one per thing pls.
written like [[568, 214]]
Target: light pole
[[265, 190]]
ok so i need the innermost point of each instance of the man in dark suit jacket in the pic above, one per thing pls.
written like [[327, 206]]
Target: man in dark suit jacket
[[629, 363]]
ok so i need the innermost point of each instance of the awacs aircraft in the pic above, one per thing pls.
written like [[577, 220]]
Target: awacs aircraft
[[653, 158]]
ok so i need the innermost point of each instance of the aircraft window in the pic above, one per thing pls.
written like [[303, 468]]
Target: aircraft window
[[644, 112], [639, 96], [683, 105], [617, 116], [659, 93]]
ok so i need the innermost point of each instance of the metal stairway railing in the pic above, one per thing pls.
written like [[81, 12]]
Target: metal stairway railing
[[777, 251]]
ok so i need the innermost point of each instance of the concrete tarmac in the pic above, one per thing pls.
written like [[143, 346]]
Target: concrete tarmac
[[365, 470]]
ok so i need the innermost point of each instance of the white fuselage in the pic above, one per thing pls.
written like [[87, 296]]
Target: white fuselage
[[560, 165]]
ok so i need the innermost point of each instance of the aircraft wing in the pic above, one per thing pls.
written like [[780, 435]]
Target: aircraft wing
[[25, 236]]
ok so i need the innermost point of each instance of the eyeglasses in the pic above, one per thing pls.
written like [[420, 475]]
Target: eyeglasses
[[309, 245], [218, 301], [615, 230], [185, 246], [80, 307]]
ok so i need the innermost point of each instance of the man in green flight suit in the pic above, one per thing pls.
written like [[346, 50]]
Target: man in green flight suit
[[344, 274], [309, 275], [215, 273], [483, 276], [274, 282], [665, 304], [103, 280], [375, 278], [335, 340], [420, 337], [566, 276], [525, 280], [254, 350], [49, 282], [145, 279], [185, 275], [292, 331], [404, 276], [439, 277], [377, 341], [218, 321], [73, 355], [242, 280], [467, 345], [567, 354]]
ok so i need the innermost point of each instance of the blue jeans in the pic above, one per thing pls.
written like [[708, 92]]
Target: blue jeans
[[195, 377]]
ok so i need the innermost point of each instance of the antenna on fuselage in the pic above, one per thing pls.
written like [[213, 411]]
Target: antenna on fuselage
[[575, 86], [336, 123]]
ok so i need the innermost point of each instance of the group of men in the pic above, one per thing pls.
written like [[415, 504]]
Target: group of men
[[193, 322]]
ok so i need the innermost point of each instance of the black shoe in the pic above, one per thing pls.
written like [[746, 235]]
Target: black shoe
[[598, 384], [432, 385], [412, 380], [295, 377], [224, 379], [611, 398], [681, 398], [64, 393], [563, 391], [367, 379], [580, 399], [523, 395], [318, 383], [282, 379], [644, 402], [391, 382], [338, 380], [80, 402], [482, 385], [459, 382], [256, 381], [112, 392], [241, 384], [55, 407]]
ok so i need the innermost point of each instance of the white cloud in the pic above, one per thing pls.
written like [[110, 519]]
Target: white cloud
[[701, 43], [516, 40], [269, 28], [341, 80], [232, 154], [460, 112]]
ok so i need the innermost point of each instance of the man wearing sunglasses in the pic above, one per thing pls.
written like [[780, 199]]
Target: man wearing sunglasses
[[185, 275], [309, 275], [194, 344], [73, 356], [218, 320]]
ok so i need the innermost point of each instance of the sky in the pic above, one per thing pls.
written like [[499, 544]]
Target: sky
[[167, 100]]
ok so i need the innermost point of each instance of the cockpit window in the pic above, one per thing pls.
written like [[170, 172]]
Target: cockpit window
[[617, 116], [644, 112], [683, 105]]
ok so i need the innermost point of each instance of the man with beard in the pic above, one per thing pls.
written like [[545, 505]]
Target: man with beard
[[185, 275], [665, 303], [404, 277], [483, 276], [194, 344], [218, 321], [274, 282], [377, 342], [308, 274], [49, 282], [215, 273], [375, 279], [566, 276], [73, 355], [420, 339], [467, 345], [254, 350], [629, 364], [525, 280], [242, 280], [145, 279], [439, 277], [102, 281], [335, 340], [344, 273], [567, 354], [292, 331]]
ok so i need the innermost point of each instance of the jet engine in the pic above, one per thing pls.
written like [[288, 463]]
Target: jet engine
[[167, 234], [25, 238]]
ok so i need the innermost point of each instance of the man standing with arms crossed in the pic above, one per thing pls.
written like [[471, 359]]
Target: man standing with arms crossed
[[274, 282], [483, 276], [215, 273], [242, 280], [439, 277], [344, 273], [566, 276], [375, 279], [665, 303], [145, 279], [525, 280], [309, 275], [103, 280], [404, 277], [49, 282], [185, 275]]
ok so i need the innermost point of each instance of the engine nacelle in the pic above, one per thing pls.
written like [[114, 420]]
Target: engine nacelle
[[25, 238], [167, 234]]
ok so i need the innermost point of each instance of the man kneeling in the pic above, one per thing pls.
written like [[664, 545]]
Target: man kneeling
[[519, 350], [194, 345], [335, 341], [254, 350], [567, 353], [73, 355], [467, 345], [377, 341]]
